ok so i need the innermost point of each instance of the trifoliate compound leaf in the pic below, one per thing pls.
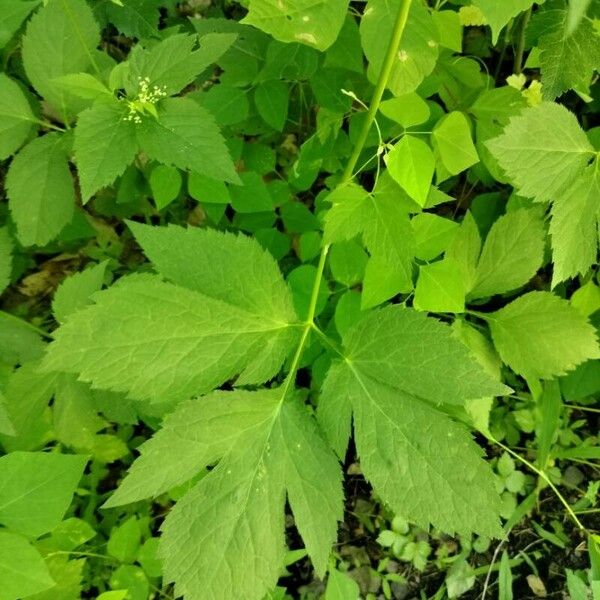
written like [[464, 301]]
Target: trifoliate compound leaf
[[36, 489], [238, 507], [452, 139], [61, 38], [440, 288], [543, 151], [498, 14], [75, 291], [315, 23], [418, 51], [186, 136], [105, 145], [541, 336], [573, 231], [16, 117], [23, 571], [6, 249], [40, 190], [411, 164], [512, 253]]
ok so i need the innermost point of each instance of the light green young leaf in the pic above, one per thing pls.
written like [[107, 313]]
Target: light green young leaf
[[541, 336], [61, 38], [411, 164], [82, 85], [36, 489], [398, 362], [173, 63], [315, 23], [433, 235], [14, 12], [386, 232], [105, 145], [572, 228], [543, 151], [512, 254], [22, 568], [452, 138], [341, 587], [566, 60], [75, 291], [465, 248], [6, 249], [16, 117], [221, 329], [408, 110], [498, 14], [185, 136], [440, 288], [418, 51], [245, 495], [272, 99], [40, 190]]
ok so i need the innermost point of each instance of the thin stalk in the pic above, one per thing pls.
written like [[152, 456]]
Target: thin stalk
[[347, 176], [518, 64]]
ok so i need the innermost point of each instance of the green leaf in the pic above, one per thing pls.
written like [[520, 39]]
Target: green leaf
[[16, 117], [464, 249], [541, 336], [543, 151], [40, 190], [14, 12], [165, 183], [573, 232], [397, 363], [19, 342], [272, 99], [22, 569], [418, 50], [6, 261], [222, 330], [82, 85], [36, 489], [452, 139], [61, 38], [75, 291], [173, 63], [440, 288], [433, 234], [498, 14], [512, 254], [566, 60], [315, 23], [408, 110], [243, 496], [137, 19], [105, 145], [341, 587], [186, 136], [228, 104], [411, 164], [124, 541], [386, 232]]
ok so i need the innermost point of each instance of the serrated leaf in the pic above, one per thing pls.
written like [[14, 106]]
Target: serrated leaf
[[512, 254], [14, 12], [498, 14], [22, 568], [315, 23], [75, 291], [105, 145], [418, 51], [452, 139], [244, 494], [572, 230], [391, 391], [411, 164], [40, 190], [543, 150], [541, 336], [61, 38], [223, 331], [36, 489], [16, 117], [135, 19], [186, 136], [6, 249]]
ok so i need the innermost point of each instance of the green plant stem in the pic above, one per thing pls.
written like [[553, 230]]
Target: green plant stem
[[542, 475], [347, 176], [518, 64]]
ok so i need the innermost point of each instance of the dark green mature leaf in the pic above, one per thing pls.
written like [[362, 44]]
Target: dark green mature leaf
[[16, 117], [134, 18], [6, 249], [40, 190], [312, 22], [186, 136]]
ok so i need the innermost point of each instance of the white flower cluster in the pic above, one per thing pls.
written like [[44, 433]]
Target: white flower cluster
[[146, 98]]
